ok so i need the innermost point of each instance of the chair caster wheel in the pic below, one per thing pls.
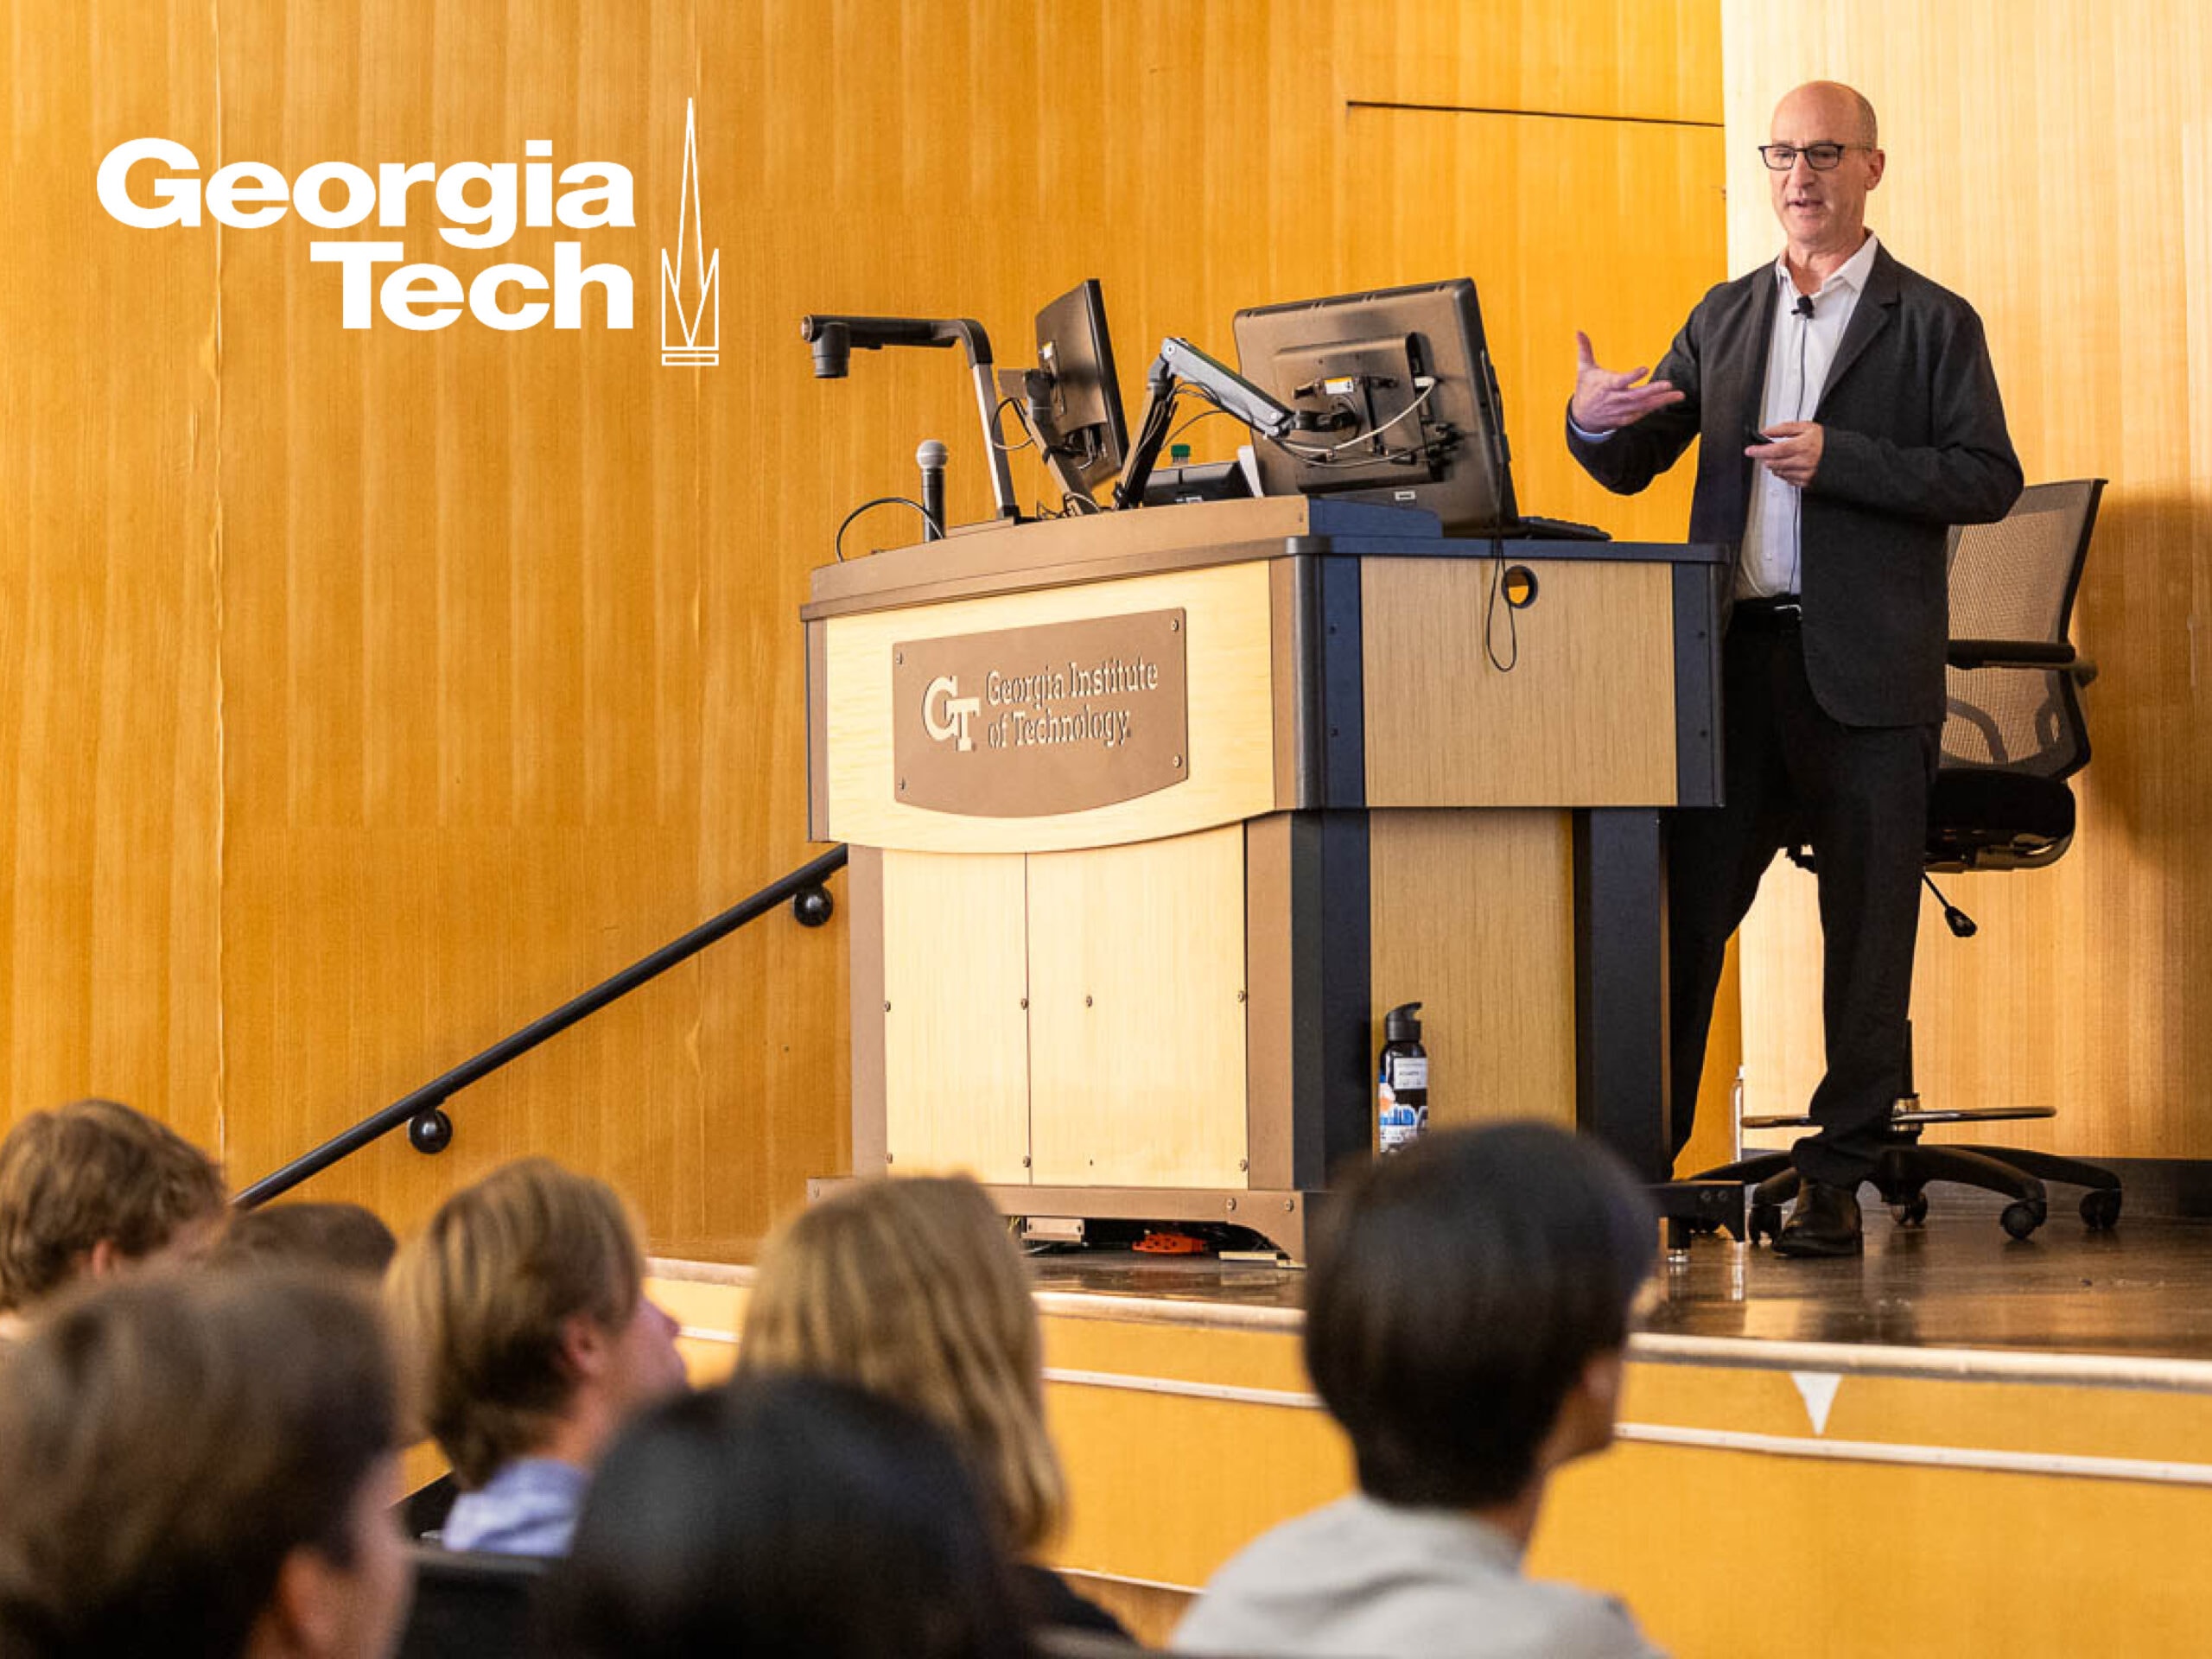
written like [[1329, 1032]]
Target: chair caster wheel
[[1766, 1222], [2021, 1219], [1912, 1213], [2101, 1208]]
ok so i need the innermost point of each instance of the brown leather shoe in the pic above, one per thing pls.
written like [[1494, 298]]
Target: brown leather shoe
[[1824, 1222]]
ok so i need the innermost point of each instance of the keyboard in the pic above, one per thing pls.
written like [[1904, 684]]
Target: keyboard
[[1534, 529]]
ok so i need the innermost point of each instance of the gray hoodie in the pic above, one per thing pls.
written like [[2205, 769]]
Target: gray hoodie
[[1363, 1579]]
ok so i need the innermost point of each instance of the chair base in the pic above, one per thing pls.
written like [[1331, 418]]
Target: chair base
[[1907, 1167]]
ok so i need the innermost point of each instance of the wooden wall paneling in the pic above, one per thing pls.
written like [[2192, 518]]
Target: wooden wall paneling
[[110, 402], [1473, 916], [1649, 59], [367, 694], [2090, 258], [1136, 1013]]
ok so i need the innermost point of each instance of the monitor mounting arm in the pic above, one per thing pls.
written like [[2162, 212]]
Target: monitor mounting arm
[[1181, 363], [834, 339]]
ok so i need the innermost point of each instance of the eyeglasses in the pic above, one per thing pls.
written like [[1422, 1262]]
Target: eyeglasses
[[1780, 158]]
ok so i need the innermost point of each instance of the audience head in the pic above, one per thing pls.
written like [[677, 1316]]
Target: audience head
[[341, 1236], [523, 1323], [911, 1288], [93, 1187], [1468, 1305], [200, 1467], [783, 1517]]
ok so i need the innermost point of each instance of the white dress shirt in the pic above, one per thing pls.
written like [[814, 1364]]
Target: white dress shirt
[[1797, 359]]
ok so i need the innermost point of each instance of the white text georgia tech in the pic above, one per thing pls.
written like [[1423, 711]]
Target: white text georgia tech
[[482, 206]]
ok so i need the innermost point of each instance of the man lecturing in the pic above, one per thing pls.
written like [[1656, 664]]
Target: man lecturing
[[1849, 418]]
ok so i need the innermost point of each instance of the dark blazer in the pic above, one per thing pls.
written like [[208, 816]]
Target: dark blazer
[[1914, 442]]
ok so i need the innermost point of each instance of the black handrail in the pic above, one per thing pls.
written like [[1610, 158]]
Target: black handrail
[[427, 1102]]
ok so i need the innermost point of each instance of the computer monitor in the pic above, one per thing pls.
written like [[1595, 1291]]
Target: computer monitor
[[1400, 379], [1077, 417]]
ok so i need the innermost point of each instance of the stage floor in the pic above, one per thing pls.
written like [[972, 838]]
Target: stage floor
[[2142, 1291], [1852, 1434]]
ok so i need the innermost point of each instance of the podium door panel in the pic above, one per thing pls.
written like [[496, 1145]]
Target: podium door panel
[[1136, 973], [956, 1039], [1473, 915], [1585, 717]]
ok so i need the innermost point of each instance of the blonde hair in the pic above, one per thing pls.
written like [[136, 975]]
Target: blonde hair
[[89, 1171], [911, 1288], [480, 1300]]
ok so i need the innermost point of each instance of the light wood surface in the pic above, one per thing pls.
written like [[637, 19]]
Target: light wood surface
[[1231, 715], [1136, 1014], [2088, 255], [1569, 703], [366, 694], [1473, 916], [956, 1048]]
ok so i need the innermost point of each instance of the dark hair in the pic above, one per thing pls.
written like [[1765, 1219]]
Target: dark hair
[[344, 1236], [1455, 1292], [785, 1515], [91, 1172], [166, 1443]]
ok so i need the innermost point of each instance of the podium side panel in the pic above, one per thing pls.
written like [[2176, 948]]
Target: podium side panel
[[1584, 717], [1232, 714], [956, 1036], [1473, 916], [864, 912], [1136, 1011]]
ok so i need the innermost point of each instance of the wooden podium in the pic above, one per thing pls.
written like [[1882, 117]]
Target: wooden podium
[[1153, 814]]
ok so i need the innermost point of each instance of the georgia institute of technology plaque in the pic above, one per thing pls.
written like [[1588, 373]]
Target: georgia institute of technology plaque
[[1035, 722]]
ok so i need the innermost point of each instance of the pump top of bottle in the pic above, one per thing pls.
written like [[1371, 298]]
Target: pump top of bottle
[[1401, 1024]]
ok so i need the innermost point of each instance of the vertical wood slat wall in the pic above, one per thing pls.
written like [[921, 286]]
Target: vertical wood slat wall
[[2051, 161], [363, 695]]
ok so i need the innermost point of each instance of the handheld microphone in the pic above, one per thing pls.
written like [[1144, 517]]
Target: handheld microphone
[[931, 458], [1804, 307]]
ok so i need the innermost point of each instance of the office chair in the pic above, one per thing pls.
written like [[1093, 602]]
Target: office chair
[[472, 1606], [2012, 734]]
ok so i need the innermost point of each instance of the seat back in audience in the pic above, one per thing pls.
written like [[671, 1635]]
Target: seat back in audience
[[472, 1606]]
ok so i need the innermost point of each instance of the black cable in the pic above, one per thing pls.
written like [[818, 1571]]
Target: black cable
[[1195, 419], [883, 501], [1005, 404], [1490, 616]]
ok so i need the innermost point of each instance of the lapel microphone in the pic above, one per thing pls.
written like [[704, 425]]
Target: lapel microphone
[[1804, 307]]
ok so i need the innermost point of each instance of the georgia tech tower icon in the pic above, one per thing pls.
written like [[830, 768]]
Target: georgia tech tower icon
[[695, 340]]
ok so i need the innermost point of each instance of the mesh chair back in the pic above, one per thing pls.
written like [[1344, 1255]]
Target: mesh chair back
[[2016, 579]]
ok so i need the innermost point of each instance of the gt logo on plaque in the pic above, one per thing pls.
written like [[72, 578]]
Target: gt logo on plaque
[[1030, 723]]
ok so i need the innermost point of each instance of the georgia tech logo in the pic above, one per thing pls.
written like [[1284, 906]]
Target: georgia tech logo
[[947, 714], [153, 184]]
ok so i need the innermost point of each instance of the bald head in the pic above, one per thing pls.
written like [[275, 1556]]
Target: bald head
[[1823, 210], [1842, 110]]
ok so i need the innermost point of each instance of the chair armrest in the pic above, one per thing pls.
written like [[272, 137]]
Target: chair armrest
[[2009, 653]]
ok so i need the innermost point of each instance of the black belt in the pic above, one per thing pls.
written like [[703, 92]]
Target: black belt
[[1784, 611]]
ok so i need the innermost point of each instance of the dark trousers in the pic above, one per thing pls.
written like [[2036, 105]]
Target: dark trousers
[[1858, 796]]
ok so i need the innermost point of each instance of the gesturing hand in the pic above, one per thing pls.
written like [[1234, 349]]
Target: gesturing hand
[[1606, 400], [1792, 452]]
